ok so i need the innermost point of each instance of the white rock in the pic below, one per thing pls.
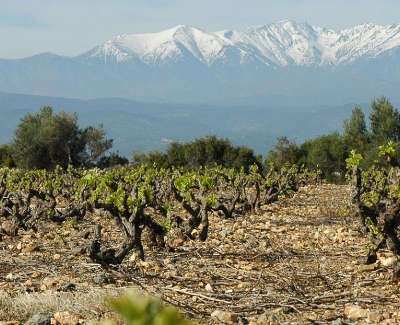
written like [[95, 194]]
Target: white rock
[[355, 312], [208, 287], [387, 259], [224, 316]]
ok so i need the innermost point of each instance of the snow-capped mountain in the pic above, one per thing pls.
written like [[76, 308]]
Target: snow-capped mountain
[[281, 44], [284, 63]]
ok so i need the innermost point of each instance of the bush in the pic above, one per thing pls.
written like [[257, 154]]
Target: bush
[[138, 310], [5, 156]]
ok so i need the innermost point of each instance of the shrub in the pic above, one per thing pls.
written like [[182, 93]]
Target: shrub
[[5, 156], [138, 310]]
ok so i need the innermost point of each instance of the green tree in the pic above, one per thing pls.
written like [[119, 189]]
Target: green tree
[[158, 158], [209, 151], [201, 152], [46, 139], [385, 121], [285, 152], [175, 155], [327, 153], [5, 156], [355, 132], [112, 160], [245, 158], [96, 144]]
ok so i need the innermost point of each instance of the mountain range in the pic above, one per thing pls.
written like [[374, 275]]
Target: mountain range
[[284, 63], [284, 43]]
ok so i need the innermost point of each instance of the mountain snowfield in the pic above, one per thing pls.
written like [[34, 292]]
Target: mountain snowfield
[[285, 43]]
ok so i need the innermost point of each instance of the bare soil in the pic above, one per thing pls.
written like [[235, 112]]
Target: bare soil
[[299, 261]]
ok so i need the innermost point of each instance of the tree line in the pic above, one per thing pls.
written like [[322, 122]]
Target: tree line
[[329, 152], [46, 139]]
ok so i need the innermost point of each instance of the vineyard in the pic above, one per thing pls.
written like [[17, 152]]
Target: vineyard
[[221, 245], [142, 198]]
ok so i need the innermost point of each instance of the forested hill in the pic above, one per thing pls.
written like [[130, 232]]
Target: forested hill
[[149, 126]]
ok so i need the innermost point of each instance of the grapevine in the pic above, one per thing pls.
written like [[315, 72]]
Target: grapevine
[[139, 198]]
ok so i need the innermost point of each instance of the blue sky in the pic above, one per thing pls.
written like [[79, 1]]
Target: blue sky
[[70, 27]]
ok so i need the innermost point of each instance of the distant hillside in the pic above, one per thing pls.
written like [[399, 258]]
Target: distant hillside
[[145, 126]]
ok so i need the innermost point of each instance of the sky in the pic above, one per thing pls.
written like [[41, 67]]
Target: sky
[[71, 27]]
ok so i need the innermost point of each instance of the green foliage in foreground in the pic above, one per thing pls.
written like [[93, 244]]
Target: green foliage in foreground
[[134, 309], [375, 197]]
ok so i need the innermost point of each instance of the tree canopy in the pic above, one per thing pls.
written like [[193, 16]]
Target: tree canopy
[[355, 132], [385, 121], [206, 151], [328, 152], [47, 139]]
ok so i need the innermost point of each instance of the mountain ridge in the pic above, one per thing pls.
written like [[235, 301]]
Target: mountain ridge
[[318, 39], [283, 43], [284, 63]]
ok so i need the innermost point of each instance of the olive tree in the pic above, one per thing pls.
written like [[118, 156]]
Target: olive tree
[[47, 139]]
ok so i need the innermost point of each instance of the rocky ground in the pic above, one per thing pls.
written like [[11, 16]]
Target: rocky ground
[[299, 261]]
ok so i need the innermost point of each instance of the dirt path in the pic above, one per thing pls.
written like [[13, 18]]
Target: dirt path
[[298, 261]]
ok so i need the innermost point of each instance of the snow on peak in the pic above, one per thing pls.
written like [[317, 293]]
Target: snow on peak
[[283, 43], [154, 48]]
